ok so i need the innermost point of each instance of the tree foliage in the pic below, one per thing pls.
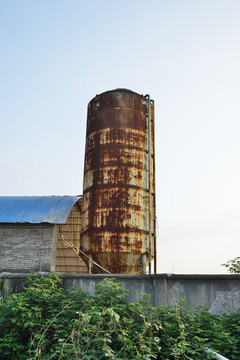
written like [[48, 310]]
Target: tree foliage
[[47, 322], [233, 265]]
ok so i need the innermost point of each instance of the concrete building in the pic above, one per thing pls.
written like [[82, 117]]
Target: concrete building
[[41, 233]]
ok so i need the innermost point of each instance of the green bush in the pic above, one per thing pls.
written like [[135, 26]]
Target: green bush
[[47, 322], [233, 265]]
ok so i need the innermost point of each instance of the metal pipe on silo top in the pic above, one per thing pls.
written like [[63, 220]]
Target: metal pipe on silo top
[[115, 223], [149, 184], [153, 186]]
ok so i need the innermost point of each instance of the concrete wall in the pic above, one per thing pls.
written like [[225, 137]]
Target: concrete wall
[[219, 293], [28, 247]]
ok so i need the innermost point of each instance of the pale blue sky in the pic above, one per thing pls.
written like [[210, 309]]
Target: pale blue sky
[[57, 55]]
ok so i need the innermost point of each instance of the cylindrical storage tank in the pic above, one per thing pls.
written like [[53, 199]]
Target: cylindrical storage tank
[[115, 212]]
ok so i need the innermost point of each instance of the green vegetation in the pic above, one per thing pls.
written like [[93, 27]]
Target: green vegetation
[[46, 322], [233, 265]]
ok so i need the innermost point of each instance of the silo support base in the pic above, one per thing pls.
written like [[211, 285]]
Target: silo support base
[[143, 263]]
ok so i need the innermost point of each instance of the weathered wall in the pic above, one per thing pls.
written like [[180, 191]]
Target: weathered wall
[[66, 259], [28, 247], [220, 293]]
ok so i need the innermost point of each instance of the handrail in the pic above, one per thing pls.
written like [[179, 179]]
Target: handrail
[[218, 356], [70, 244]]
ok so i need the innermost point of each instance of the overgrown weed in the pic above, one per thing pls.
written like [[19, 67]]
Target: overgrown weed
[[47, 322]]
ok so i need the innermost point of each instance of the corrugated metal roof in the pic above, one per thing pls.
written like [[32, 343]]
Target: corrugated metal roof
[[36, 209]]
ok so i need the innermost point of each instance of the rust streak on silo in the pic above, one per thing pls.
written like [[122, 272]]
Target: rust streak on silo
[[115, 197]]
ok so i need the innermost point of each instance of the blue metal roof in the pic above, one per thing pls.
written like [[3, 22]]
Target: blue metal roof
[[36, 209]]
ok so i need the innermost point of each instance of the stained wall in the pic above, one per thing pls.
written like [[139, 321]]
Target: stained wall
[[28, 247], [219, 293]]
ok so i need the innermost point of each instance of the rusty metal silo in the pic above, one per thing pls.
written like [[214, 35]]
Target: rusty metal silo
[[118, 214]]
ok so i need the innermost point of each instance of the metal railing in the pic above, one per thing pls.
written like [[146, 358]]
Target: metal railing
[[218, 356]]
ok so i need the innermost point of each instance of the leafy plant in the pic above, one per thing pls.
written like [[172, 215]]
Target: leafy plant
[[233, 266], [47, 322]]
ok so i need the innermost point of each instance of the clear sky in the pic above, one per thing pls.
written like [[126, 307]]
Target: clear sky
[[56, 55]]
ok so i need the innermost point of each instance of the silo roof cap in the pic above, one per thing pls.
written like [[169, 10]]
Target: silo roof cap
[[118, 90]]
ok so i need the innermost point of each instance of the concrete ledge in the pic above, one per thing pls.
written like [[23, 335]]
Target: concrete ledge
[[219, 293]]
